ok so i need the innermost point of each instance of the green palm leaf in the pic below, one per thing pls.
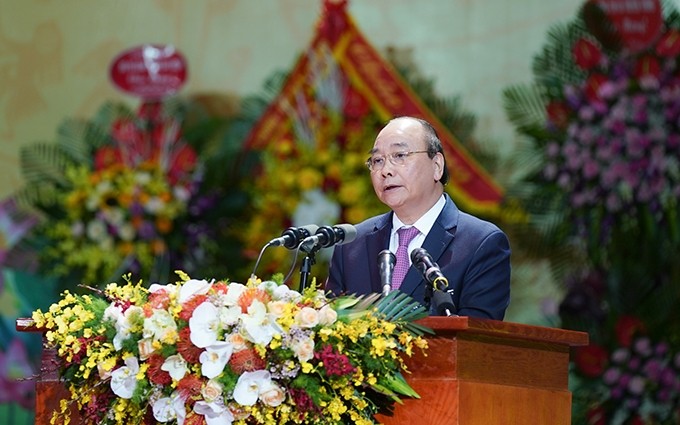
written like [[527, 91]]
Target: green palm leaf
[[75, 138], [44, 163], [397, 307], [36, 196], [554, 66], [525, 107]]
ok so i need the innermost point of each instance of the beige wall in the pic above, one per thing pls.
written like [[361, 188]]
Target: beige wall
[[54, 54]]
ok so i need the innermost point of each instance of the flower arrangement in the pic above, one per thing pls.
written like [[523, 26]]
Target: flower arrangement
[[220, 352], [616, 148], [607, 134], [602, 192], [636, 380], [122, 192], [119, 211]]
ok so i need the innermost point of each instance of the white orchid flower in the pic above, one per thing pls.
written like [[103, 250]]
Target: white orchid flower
[[122, 322], [176, 366], [124, 379], [193, 287], [215, 413], [229, 316], [215, 358], [160, 326], [248, 386], [171, 289], [204, 325], [284, 293], [258, 325], [171, 408], [233, 294]]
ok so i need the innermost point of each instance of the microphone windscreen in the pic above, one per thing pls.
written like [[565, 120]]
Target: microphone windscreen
[[418, 254], [349, 231], [310, 229]]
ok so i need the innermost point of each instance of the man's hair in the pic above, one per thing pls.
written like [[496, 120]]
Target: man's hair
[[434, 145]]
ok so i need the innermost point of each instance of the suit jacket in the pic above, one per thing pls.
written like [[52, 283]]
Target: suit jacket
[[473, 254]]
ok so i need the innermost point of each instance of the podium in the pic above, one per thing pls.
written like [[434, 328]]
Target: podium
[[475, 372], [488, 372]]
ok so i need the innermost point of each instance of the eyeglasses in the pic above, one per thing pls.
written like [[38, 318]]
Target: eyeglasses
[[376, 163]]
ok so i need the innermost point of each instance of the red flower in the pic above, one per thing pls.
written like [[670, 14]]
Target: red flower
[[596, 416], [669, 44], [106, 156], [183, 163], [593, 85], [150, 111], [186, 348], [626, 328], [591, 360], [647, 66], [189, 386], [303, 401], [250, 295], [246, 361], [131, 142], [159, 299], [189, 306], [587, 54], [156, 374], [558, 113], [95, 410], [334, 363], [220, 287], [194, 419]]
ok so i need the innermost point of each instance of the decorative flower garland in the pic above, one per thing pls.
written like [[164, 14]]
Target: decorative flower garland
[[220, 352], [121, 193]]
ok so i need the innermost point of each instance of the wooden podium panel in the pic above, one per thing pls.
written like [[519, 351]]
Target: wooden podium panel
[[475, 372], [487, 372]]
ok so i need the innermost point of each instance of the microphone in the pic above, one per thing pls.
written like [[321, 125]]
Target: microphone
[[423, 261], [386, 261], [292, 236], [443, 302], [327, 236]]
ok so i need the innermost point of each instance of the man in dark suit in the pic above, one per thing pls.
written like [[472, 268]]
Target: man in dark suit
[[408, 172]]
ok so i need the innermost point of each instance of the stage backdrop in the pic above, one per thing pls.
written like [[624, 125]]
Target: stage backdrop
[[54, 55]]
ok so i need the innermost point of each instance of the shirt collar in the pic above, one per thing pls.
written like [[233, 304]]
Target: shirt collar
[[424, 223]]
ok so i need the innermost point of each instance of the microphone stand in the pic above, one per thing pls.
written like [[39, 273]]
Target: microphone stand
[[443, 303], [306, 265], [427, 297]]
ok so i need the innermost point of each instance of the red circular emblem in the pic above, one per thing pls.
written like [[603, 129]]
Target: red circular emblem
[[639, 22], [151, 71]]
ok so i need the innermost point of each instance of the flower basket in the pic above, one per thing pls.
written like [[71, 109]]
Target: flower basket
[[219, 352]]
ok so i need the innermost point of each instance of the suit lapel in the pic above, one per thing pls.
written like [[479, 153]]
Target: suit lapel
[[378, 240], [440, 237]]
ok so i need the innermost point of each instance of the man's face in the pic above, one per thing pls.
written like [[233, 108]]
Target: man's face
[[409, 189]]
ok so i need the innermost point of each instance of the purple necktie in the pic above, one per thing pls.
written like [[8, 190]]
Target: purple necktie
[[406, 235]]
